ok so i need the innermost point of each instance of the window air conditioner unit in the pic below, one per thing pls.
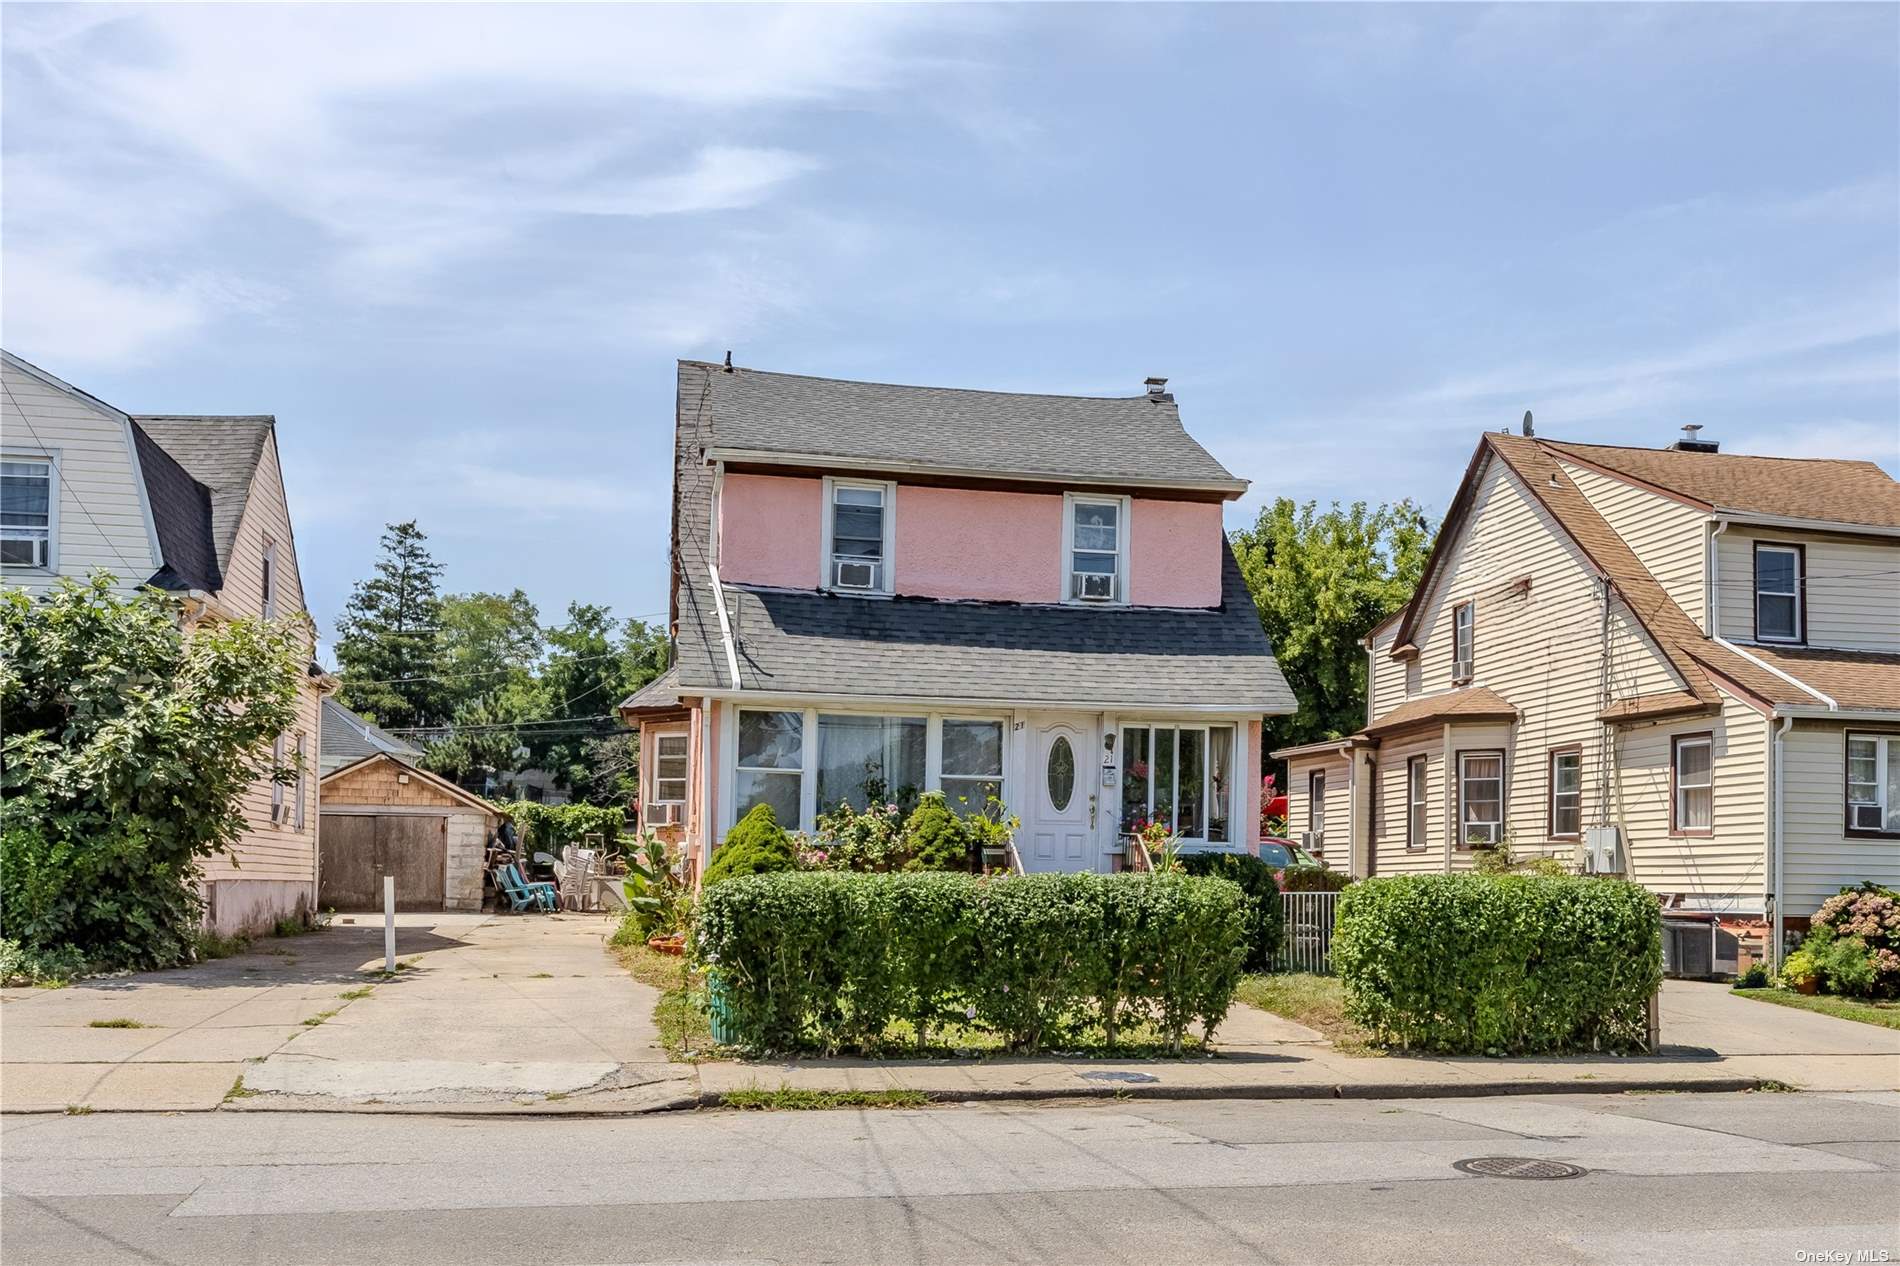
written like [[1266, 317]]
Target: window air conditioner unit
[[1866, 817], [1602, 852], [853, 573], [1093, 586], [1312, 841]]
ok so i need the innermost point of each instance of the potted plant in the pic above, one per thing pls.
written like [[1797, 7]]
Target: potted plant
[[1801, 972]]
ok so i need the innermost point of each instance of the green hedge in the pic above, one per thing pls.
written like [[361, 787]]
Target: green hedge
[[827, 961], [1266, 913], [1499, 964]]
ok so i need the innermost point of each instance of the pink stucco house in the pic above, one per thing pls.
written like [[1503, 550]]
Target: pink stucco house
[[883, 589]]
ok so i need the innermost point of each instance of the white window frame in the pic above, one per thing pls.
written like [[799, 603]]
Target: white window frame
[[685, 779], [1678, 744], [1464, 784], [1418, 781], [807, 766], [1236, 756], [1124, 520], [303, 784], [269, 566], [53, 485], [1884, 745], [1799, 635], [933, 756], [1464, 614], [887, 569], [1552, 795]]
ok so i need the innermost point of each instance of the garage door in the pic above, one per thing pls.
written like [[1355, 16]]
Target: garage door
[[359, 849]]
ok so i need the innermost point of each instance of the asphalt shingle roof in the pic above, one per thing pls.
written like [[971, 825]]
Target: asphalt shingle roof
[[348, 738], [1827, 489], [181, 512], [222, 454], [1137, 438], [918, 648]]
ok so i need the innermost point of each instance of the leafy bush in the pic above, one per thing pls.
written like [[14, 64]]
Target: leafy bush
[[1756, 977], [1266, 913], [756, 846], [1870, 916], [548, 828], [1305, 878], [1502, 964], [848, 839], [827, 960], [130, 743]]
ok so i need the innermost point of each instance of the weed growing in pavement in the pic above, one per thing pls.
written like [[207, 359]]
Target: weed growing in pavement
[[317, 1019], [119, 1023], [351, 995], [78, 1110], [787, 1099], [239, 1090]]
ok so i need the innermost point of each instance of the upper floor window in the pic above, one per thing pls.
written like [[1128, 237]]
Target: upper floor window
[[1778, 593], [1463, 625], [858, 522], [1096, 532], [26, 512], [269, 594], [1873, 783]]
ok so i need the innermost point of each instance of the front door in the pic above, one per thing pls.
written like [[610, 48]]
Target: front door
[[1059, 828]]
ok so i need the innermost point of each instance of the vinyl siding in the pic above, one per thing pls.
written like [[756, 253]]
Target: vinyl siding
[[101, 517], [1724, 871], [1667, 537], [1338, 818], [272, 850], [1386, 689], [1391, 856], [1817, 857], [1853, 587]]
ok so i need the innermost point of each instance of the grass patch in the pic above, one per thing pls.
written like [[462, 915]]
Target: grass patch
[[1860, 1010], [317, 1019], [209, 945], [351, 995], [239, 1090], [119, 1023], [1318, 1002], [554, 1096], [685, 1031], [786, 1099], [78, 1110]]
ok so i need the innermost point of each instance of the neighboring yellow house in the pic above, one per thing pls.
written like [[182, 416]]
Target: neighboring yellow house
[[1676, 664], [195, 506]]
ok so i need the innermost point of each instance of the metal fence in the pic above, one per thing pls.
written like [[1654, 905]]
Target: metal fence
[[1309, 932]]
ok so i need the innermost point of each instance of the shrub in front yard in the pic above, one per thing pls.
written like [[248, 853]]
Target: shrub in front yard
[[756, 845], [1853, 945], [1266, 913], [1313, 879], [827, 960], [1499, 964]]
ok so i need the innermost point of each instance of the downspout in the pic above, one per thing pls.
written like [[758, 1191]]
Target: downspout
[[1450, 797], [1776, 754], [1712, 583]]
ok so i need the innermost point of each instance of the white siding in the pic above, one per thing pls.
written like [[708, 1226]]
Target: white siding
[[1667, 537], [1385, 688], [1723, 871], [101, 516], [1338, 816], [1817, 857], [1391, 856], [1853, 587]]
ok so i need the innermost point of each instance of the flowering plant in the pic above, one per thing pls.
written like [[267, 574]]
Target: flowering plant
[[1857, 932], [854, 839]]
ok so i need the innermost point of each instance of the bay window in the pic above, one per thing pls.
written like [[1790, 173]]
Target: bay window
[[1692, 784], [866, 760], [972, 764], [1480, 799], [771, 765], [1180, 777], [1873, 784]]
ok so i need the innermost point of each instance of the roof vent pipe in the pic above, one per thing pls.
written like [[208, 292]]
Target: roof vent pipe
[[1156, 387], [1692, 443]]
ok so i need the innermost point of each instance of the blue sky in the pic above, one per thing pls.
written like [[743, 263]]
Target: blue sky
[[456, 251]]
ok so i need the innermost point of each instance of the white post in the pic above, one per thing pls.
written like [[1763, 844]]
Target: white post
[[389, 924]]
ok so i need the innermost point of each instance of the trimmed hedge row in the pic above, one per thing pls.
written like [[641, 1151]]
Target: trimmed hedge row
[[1499, 964], [1266, 913], [827, 961]]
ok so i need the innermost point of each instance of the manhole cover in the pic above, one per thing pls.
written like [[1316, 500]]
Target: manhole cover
[[1518, 1167], [1107, 1075]]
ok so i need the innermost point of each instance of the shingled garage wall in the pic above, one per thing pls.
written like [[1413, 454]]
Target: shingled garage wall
[[382, 816]]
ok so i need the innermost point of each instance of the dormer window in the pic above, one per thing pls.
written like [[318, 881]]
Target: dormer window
[[1778, 592], [1096, 529], [858, 530]]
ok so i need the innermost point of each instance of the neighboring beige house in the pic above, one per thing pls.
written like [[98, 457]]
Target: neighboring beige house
[[1696, 650], [195, 506]]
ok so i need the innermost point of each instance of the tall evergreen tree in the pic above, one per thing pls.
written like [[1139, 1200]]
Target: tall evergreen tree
[[389, 637]]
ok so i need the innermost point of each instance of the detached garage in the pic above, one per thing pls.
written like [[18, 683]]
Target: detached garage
[[383, 817]]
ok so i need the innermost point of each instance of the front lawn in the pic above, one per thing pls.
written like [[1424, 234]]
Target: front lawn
[[1860, 1010], [1318, 1002]]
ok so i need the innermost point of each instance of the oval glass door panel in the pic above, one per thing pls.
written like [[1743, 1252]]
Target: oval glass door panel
[[1061, 773]]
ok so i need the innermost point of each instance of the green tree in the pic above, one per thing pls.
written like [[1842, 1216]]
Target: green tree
[[389, 639], [1321, 580], [491, 646], [129, 744], [594, 661]]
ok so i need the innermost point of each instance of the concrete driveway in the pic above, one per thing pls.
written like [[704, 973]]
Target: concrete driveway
[[1801, 1048], [487, 1010]]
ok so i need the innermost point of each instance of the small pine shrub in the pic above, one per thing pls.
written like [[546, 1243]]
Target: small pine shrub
[[758, 845], [937, 837]]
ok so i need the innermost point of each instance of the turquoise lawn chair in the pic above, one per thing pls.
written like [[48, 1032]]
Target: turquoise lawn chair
[[546, 895], [520, 894]]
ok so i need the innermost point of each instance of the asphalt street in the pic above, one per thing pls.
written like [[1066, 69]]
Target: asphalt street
[[1735, 1178]]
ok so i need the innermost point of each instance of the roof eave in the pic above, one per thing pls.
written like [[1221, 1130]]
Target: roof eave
[[1230, 489], [1754, 518]]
